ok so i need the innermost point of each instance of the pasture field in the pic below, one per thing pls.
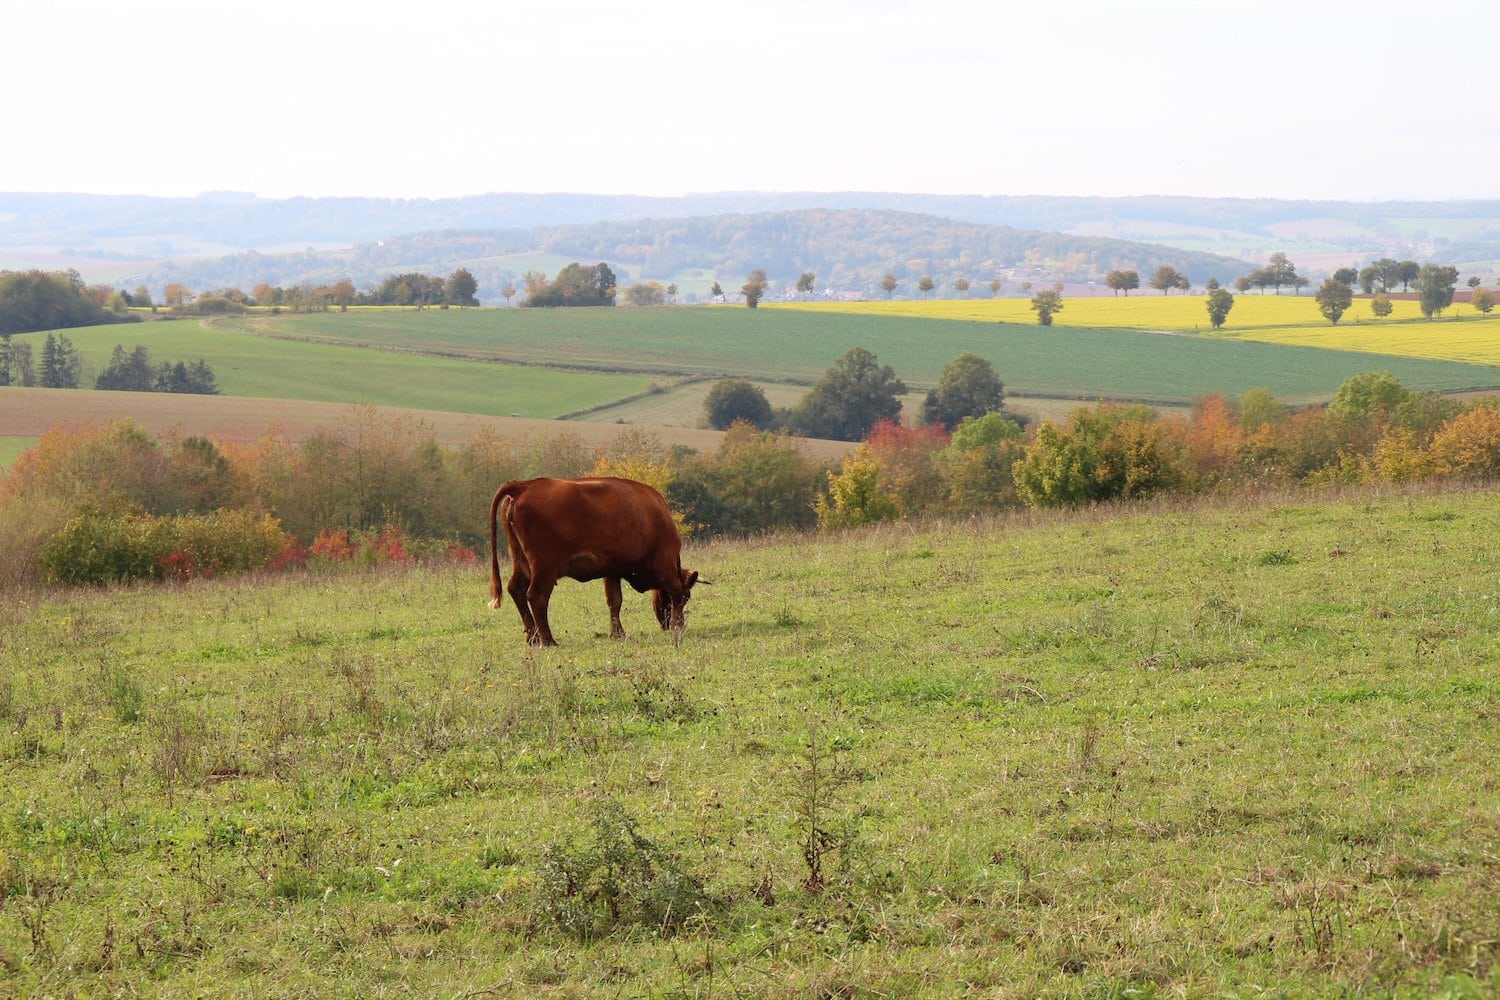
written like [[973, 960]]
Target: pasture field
[[798, 345], [287, 369], [1459, 334], [1213, 750]]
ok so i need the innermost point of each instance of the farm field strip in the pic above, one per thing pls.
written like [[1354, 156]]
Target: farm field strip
[[29, 413], [798, 345], [288, 369], [1219, 750], [1461, 334]]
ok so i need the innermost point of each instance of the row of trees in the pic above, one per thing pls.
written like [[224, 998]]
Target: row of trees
[[132, 371], [51, 300], [857, 393]]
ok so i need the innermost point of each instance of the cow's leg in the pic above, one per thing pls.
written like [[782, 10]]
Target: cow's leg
[[614, 599], [520, 582], [538, 595]]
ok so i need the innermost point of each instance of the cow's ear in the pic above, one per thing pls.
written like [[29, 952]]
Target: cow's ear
[[689, 579]]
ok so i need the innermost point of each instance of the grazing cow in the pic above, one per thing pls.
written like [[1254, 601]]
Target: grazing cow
[[617, 529]]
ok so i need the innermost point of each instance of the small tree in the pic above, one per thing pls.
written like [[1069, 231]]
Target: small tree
[[889, 283], [1334, 298], [1434, 284], [508, 291], [1220, 301], [806, 281], [1483, 300], [961, 286], [925, 284], [733, 399], [459, 289], [717, 291], [1381, 305], [967, 388], [754, 287], [1047, 302], [855, 393], [1347, 275], [1123, 281], [1165, 278], [995, 285]]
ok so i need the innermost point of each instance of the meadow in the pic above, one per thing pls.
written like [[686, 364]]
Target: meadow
[[288, 369], [1246, 748]]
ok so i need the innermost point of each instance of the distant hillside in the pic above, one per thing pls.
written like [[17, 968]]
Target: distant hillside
[[848, 251], [120, 238]]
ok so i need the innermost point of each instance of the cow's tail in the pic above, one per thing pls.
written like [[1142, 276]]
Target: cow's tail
[[500, 508]]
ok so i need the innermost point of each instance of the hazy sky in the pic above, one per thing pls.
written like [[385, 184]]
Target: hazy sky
[[1364, 100]]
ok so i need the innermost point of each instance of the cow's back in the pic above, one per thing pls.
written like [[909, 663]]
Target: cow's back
[[609, 521]]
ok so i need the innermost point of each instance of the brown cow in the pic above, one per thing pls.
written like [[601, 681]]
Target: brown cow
[[617, 529]]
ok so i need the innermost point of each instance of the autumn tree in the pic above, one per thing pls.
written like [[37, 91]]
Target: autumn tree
[[508, 291], [888, 283], [925, 284], [1483, 300], [995, 285], [646, 293], [1165, 279], [177, 294], [1123, 281], [754, 288], [342, 294]]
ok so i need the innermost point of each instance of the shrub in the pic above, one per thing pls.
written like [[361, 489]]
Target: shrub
[[855, 496], [97, 548], [1103, 453], [1469, 445], [619, 878]]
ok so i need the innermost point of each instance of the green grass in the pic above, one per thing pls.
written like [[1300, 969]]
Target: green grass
[[285, 369], [11, 449], [798, 345], [1203, 751]]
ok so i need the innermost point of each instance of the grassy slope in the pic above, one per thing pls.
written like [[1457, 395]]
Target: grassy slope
[[1195, 751], [281, 369], [800, 344]]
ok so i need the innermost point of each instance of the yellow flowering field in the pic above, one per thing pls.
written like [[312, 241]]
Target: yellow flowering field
[[1461, 334]]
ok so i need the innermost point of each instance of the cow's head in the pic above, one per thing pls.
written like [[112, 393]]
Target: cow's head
[[671, 604]]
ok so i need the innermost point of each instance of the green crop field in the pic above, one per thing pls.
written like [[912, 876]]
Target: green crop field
[[1189, 751], [799, 344], [287, 369]]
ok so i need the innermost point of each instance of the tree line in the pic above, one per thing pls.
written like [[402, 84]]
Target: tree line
[[371, 472]]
